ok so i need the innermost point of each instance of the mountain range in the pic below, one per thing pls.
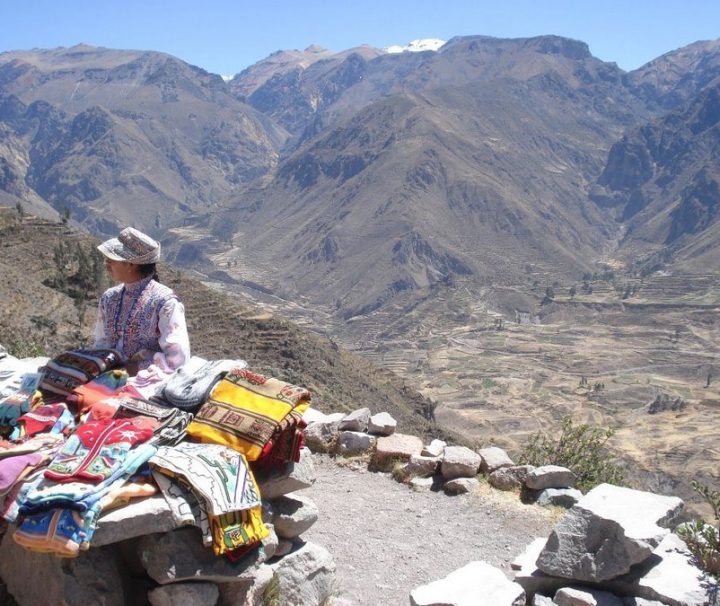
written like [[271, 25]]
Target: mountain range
[[345, 180]]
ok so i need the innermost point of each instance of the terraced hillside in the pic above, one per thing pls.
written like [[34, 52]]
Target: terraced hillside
[[638, 354], [647, 365], [38, 317]]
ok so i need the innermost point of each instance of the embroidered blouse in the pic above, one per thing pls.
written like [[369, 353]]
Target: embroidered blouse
[[145, 321]]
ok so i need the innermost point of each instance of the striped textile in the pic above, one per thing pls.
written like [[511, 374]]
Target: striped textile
[[245, 410], [76, 367]]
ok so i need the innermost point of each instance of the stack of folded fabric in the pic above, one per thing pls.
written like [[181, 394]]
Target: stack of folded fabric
[[256, 415], [60, 517], [222, 489], [75, 367], [88, 440]]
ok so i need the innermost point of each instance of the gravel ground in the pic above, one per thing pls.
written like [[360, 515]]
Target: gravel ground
[[388, 539]]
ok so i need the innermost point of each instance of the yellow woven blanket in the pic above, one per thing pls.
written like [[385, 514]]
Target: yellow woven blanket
[[244, 409]]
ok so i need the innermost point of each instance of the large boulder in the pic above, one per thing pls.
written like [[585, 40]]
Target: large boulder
[[382, 424], [475, 584], [180, 556], [293, 514], [459, 462], [434, 449], [494, 458], [560, 497], [141, 517], [572, 596], [532, 580], [320, 436], [305, 577], [291, 477], [509, 478], [39, 578], [355, 443], [550, 476], [187, 594], [671, 577], [250, 593], [357, 420], [397, 448], [607, 532]]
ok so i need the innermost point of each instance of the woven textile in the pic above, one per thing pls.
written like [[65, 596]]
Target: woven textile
[[14, 406], [245, 410], [172, 423], [44, 442], [11, 468], [66, 532], [50, 418], [184, 505], [57, 531], [285, 444], [218, 474], [98, 448], [71, 368], [220, 479], [42, 494]]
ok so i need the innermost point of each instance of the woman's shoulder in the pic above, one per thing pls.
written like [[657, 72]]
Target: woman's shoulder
[[113, 291], [159, 293]]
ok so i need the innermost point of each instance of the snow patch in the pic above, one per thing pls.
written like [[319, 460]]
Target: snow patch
[[417, 46]]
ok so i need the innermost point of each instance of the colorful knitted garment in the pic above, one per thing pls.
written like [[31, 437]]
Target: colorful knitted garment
[[14, 406], [39, 443], [50, 418], [245, 410], [57, 531], [43, 494], [106, 385], [12, 468], [172, 423], [97, 448], [65, 372], [65, 532]]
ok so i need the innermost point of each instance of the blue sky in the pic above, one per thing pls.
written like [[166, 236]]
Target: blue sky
[[224, 36]]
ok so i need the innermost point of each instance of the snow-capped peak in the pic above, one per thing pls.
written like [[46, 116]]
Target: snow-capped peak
[[416, 46]]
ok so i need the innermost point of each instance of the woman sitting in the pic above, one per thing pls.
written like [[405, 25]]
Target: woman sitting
[[141, 318]]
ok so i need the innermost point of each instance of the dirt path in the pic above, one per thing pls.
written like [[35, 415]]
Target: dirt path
[[388, 539]]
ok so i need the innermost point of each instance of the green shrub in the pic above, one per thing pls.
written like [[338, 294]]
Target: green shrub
[[271, 594], [703, 539], [580, 448]]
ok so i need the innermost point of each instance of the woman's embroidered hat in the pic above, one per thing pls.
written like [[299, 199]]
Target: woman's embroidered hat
[[131, 246]]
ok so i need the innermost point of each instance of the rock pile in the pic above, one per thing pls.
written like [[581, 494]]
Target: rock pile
[[138, 555], [613, 547], [435, 465]]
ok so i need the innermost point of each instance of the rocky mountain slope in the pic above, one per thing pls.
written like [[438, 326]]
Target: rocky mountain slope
[[348, 181], [119, 137], [416, 169], [663, 181]]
